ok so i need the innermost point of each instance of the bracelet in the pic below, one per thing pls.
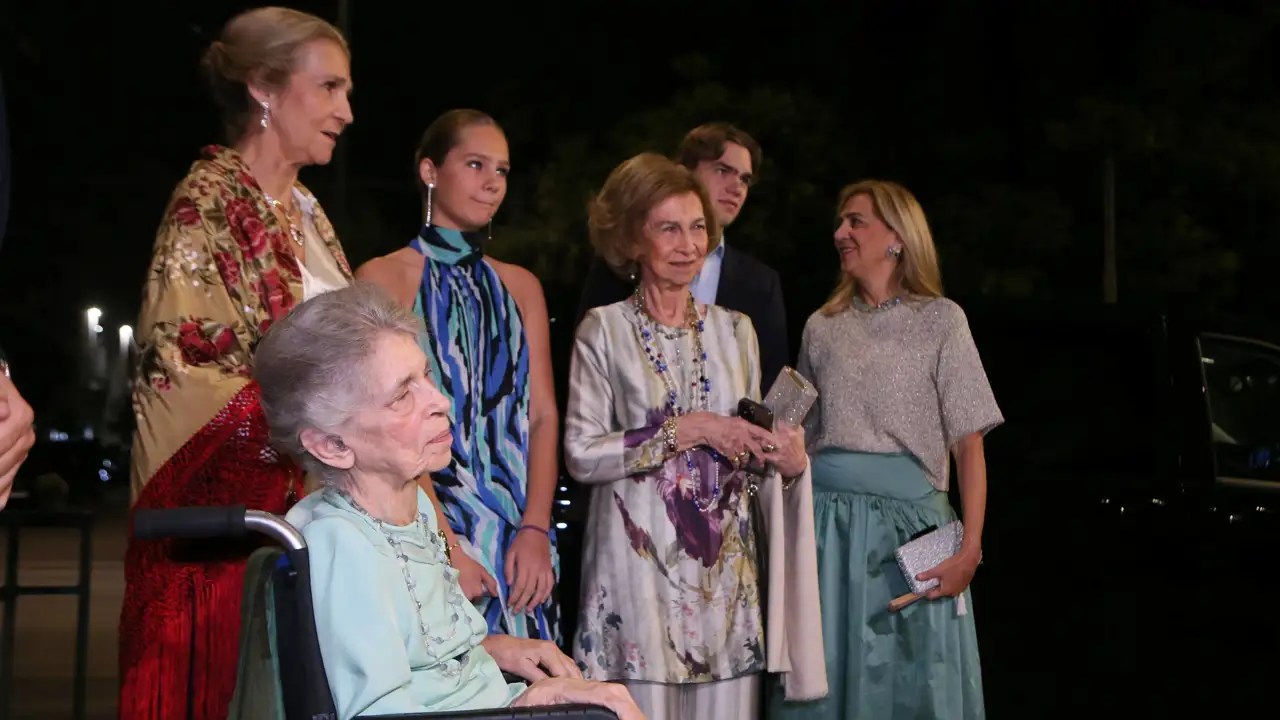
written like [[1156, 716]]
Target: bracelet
[[669, 436], [787, 482], [535, 528]]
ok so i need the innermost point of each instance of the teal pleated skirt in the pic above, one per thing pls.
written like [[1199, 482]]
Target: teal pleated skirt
[[918, 663]]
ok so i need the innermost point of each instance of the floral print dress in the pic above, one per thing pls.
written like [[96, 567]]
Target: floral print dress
[[669, 592]]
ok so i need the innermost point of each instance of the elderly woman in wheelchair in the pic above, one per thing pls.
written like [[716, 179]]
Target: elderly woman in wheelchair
[[346, 392]]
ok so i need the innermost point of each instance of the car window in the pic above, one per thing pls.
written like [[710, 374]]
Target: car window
[[1242, 390]]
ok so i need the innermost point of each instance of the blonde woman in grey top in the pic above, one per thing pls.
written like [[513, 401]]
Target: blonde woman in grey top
[[901, 389]]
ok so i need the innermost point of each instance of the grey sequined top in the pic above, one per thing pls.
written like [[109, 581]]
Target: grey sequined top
[[904, 379]]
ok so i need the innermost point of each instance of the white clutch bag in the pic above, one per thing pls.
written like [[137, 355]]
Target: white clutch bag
[[791, 397], [926, 552]]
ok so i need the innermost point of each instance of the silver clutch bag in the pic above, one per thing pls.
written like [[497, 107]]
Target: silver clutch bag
[[927, 552], [791, 397]]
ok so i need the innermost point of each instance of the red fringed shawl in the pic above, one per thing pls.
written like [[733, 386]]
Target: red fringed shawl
[[180, 625]]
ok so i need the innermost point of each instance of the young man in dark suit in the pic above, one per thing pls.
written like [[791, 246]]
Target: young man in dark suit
[[16, 433], [725, 159], [5, 180]]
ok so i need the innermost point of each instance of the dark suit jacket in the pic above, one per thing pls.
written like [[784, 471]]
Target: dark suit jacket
[[5, 180], [746, 285]]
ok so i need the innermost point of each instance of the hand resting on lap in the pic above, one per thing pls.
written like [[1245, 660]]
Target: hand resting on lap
[[529, 658], [534, 659], [562, 691]]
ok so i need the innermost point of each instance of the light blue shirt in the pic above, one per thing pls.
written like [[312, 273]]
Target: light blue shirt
[[375, 656], [708, 280]]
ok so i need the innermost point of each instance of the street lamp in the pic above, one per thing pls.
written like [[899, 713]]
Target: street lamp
[[95, 358]]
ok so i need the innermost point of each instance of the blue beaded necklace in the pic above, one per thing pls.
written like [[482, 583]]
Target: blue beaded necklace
[[699, 388]]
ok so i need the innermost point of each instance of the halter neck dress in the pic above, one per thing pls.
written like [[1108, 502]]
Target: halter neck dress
[[479, 357]]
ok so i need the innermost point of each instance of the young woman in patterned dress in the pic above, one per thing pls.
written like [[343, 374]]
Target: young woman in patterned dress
[[489, 350]]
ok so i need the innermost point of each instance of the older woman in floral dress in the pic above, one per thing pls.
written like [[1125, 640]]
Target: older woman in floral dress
[[670, 598]]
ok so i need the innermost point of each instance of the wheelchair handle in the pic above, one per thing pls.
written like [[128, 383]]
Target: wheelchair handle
[[214, 522]]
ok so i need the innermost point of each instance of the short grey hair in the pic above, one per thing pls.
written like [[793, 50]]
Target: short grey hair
[[310, 365]]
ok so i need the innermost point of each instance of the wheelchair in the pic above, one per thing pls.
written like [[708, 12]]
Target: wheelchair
[[281, 672]]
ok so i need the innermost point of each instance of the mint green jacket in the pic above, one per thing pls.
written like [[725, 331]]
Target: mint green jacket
[[375, 654]]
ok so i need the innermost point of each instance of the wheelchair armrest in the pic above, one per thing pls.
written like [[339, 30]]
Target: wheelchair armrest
[[545, 712]]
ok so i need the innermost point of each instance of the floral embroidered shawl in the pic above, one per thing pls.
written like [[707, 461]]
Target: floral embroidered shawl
[[223, 270]]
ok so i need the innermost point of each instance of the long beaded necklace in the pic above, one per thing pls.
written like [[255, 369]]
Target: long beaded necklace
[[699, 387], [294, 231], [451, 666]]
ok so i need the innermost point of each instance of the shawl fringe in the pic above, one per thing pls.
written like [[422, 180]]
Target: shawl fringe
[[180, 623]]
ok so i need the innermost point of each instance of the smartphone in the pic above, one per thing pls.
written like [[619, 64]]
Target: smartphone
[[755, 413], [760, 416]]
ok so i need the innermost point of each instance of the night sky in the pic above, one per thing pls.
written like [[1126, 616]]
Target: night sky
[[998, 115]]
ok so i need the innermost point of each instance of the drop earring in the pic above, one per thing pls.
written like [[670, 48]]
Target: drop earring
[[266, 114], [490, 229], [430, 188]]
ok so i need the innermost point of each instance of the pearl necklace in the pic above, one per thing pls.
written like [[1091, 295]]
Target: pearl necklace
[[451, 666], [700, 387], [294, 230]]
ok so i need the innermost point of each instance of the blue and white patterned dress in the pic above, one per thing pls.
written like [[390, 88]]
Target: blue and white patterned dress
[[479, 358]]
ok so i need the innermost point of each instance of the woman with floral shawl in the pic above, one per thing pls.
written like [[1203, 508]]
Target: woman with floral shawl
[[241, 243]]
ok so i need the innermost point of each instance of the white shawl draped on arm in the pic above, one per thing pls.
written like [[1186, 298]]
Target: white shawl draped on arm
[[793, 628]]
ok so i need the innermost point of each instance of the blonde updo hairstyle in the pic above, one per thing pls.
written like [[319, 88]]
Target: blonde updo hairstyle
[[616, 216], [258, 46]]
